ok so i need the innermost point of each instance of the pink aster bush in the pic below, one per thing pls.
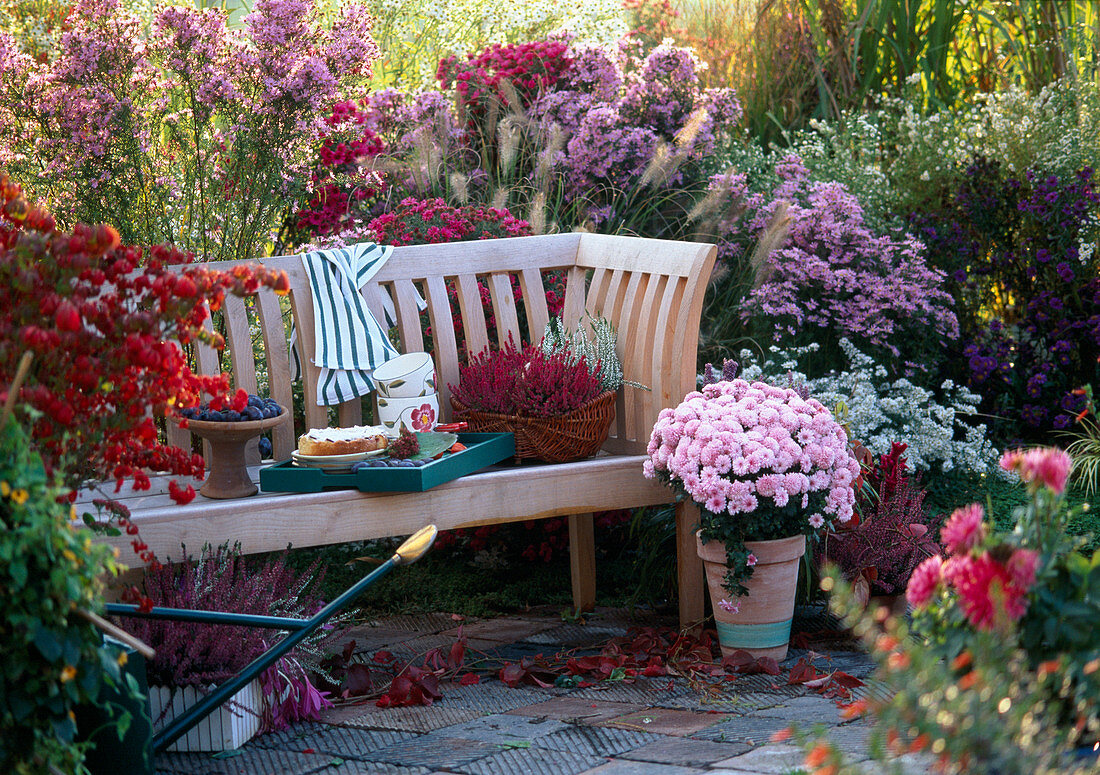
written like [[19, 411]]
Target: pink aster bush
[[832, 276], [761, 461], [180, 128]]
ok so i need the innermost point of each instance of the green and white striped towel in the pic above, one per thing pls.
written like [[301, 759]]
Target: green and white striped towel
[[350, 343]]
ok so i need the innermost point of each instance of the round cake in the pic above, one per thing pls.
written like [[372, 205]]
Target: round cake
[[341, 441]]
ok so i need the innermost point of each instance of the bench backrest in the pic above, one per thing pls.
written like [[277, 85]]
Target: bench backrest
[[651, 290]]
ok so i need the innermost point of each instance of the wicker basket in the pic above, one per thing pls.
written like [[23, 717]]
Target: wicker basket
[[560, 439]]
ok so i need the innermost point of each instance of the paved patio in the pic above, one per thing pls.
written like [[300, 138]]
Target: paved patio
[[652, 726]]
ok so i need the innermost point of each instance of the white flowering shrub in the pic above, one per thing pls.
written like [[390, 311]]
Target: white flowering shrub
[[898, 158], [881, 411]]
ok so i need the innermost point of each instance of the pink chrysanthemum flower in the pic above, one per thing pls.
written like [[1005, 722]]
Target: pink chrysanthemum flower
[[924, 581], [1022, 566], [750, 560], [964, 529], [816, 521], [729, 607]]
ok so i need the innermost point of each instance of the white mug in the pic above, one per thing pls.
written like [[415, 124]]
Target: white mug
[[417, 413], [406, 376]]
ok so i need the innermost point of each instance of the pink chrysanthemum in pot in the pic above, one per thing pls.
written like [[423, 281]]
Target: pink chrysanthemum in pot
[[761, 461]]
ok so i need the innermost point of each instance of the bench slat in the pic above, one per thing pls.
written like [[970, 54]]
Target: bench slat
[[270, 314], [472, 313], [269, 522], [534, 303], [504, 308], [408, 316], [443, 335]]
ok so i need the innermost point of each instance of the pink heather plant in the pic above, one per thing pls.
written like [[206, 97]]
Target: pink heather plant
[[761, 461]]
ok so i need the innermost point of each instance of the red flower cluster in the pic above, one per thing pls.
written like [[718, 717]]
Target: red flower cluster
[[328, 212], [989, 582], [432, 221], [526, 382], [531, 68], [107, 324]]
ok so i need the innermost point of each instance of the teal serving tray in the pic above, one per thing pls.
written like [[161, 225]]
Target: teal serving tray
[[482, 450]]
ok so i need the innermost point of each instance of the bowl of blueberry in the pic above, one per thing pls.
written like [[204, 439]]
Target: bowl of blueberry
[[228, 431]]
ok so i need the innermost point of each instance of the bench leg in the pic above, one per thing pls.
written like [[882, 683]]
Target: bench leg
[[689, 568], [582, 561]]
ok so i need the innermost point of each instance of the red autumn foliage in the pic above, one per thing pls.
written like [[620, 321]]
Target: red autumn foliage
[[107, 324]]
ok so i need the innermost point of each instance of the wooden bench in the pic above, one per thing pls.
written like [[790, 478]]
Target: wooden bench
[[651, 290]]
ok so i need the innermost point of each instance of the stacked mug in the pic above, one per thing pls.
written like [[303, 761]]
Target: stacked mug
[[407, 394]]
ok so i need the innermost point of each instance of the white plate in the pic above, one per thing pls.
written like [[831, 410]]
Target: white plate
[[324, 461]]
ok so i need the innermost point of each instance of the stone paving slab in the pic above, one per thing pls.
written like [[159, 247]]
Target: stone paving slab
[[487, 697], [504, 729], [596, 741], [505, 630], [250, 761], [434, 751], [578, 710], [746, 729], [762, 760], [627, 767], [354, 767], [685, 751], [663, 721], [345, 742], [413, 719], [531, 761]]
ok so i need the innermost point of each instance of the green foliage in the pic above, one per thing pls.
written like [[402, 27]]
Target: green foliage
[[53, 659], [415, 34]]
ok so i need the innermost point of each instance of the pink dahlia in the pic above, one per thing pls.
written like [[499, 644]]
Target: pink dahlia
[[985, 588], [924, 581], [964, 529], [1047, 466]]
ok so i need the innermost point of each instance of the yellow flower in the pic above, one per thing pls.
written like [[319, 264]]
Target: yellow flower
[[122, 658], [5, 489], [70, 555], [68, 673], [20, 496]]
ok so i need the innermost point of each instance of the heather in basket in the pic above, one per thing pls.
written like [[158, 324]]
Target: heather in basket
[[554, 403], [527, 382]]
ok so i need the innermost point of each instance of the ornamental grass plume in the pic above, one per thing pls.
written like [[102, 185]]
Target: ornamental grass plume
[[180, 129]]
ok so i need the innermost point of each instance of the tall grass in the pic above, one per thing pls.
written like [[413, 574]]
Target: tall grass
[[795, 60]]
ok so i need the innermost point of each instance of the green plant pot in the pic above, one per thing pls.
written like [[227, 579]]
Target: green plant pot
[[132, 754]]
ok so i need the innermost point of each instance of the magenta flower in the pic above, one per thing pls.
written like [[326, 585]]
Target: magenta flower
[[729, 607], [924, 582], [750, 560], [964, 529], [423, 419], [1046, 466]]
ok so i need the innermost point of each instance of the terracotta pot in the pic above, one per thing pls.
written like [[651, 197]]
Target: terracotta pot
[[762, 626]]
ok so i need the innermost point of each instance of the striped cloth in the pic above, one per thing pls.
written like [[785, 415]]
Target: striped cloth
[[350, 343]]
